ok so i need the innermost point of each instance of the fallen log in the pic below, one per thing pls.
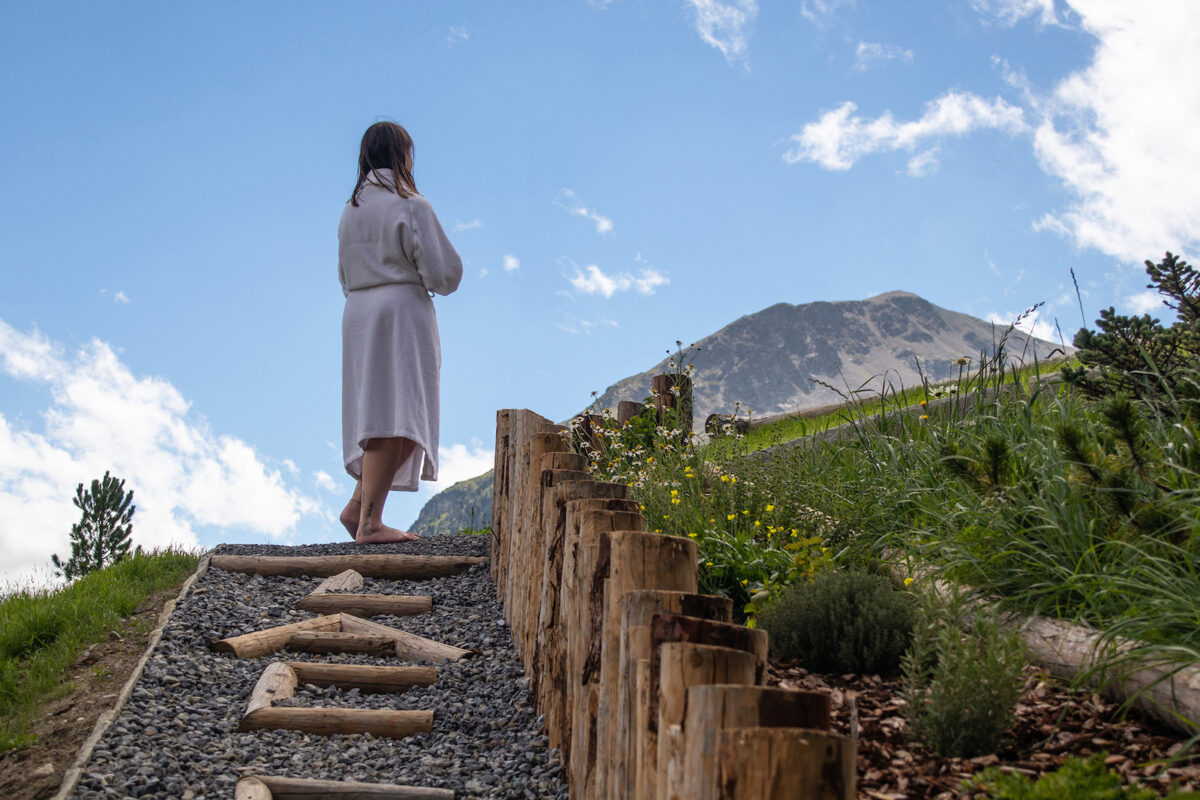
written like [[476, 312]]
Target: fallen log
[[367, 605], [377, 565]]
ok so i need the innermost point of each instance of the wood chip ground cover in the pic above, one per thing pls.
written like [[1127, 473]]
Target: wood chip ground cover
[[1053, 723]]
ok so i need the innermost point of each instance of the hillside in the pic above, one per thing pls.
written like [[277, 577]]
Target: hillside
[[766, 362]]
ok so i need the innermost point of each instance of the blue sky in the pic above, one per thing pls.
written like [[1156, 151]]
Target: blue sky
[[616, 174]]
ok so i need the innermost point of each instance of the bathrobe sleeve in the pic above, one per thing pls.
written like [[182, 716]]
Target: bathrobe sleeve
[[428, 248]]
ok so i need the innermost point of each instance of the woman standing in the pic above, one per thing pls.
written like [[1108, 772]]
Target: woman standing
[[393, 256]]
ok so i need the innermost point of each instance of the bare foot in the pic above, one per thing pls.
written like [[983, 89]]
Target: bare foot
[[377, 533], [350, 515]]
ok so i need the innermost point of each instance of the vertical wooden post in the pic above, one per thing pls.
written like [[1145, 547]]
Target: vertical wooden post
[[525, 535], [522, 424], [627, 410], [784, 764], [681, 666], [637, 610], [582, 587], [562, 514], [639, 561], [717, 707], [680, 399], [499, 500]]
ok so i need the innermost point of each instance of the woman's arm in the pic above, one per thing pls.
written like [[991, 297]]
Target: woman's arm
[[430, 250]]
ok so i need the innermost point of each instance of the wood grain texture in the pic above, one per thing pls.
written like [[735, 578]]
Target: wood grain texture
[[377, 565]]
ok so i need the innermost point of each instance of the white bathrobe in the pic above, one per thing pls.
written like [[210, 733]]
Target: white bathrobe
[[392, 256]]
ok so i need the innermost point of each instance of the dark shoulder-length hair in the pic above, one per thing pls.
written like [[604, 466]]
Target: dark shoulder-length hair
[[386, 145]]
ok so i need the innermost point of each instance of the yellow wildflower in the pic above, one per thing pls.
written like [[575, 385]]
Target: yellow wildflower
[[924, 417], [770, 507], [708, 563], [691, 536], [724, 479], [731, 517], [908, 581], [923, 403]]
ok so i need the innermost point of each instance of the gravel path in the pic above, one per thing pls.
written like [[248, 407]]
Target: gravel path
[[177, 736]]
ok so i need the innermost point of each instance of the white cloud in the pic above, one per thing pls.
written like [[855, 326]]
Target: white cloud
[[117, 297], [592, 280], [1149, 302], [460, 226], [483, 272], [103, 417], [726, 25], [291, 467], [603, 224], [456, 34], [324, 481], [924, 163], [511, 262], [868, 54], [839, 138], [459, 462], [1121, 133], [1010, 12], [1032, 324]]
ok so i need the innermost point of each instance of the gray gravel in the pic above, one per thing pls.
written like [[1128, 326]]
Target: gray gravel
[[177, 736]]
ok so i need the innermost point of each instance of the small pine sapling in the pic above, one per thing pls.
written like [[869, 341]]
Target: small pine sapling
[[102, 535]]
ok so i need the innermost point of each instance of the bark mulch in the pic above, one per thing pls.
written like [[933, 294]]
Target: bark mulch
[[1053, 723]]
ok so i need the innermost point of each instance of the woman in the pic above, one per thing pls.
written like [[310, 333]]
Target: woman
[[393, 256]]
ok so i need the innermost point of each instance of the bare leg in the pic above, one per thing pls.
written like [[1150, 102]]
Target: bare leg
[[353, 511], [380, 460]]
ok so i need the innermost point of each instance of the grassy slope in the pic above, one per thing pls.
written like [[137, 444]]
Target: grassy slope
[[43, 631]]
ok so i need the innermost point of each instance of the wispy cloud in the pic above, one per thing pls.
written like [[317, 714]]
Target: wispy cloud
[[568, 200], [103, 417], [1034, 324], [324, 481], [577, 327], [840, 138], [511, 262], [924, 163], [868, 54], [460, 226], [593, 280], [1010, 12], [118, 297], [1149, 302], [456, 34], [819, 11], [726, 25]]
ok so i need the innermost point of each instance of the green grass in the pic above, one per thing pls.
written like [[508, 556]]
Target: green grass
[[42, 631], [872, 399]]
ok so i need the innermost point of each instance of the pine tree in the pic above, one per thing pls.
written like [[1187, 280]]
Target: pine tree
[[102, 535], [1139, 356]]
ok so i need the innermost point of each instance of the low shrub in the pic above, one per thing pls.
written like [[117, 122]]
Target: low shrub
[[842, 622], [1078, 779], [961, 687]]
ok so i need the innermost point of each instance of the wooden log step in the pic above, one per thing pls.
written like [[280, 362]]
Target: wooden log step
[[366, 677], [340, 642], [375, 565], [366, 605], [268, 787], [268, 640], [279, 681], [409, 646], [328, 721], [783, 764]]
